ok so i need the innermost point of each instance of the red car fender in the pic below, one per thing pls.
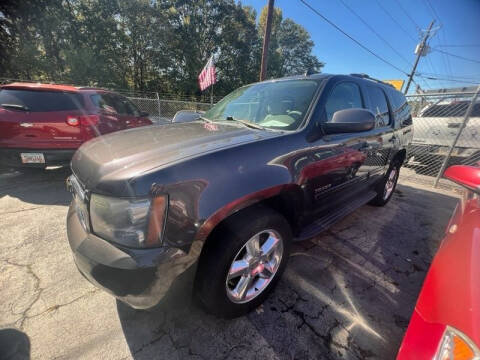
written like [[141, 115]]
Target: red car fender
[[451, 291]]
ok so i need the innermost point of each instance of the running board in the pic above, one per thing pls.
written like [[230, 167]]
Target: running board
[[331, 218]]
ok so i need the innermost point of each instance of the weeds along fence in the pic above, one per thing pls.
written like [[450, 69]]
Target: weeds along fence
[[446, 131]]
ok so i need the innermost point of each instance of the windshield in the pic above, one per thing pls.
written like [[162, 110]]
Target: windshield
[[277, 105]]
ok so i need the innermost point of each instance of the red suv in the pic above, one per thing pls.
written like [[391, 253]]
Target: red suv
[[43, 124]]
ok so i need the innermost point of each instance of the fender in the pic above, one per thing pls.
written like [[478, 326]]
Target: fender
[[239, 204]]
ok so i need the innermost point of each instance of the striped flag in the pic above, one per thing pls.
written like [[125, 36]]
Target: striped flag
[[208, 75]]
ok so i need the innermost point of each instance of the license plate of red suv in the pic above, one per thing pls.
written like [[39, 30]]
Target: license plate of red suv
[[32, 158]]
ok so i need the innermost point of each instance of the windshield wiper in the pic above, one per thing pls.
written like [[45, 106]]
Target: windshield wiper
[[15, 106], [245, 122]]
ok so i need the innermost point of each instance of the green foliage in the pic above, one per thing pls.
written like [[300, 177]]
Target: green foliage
[[145, 45]]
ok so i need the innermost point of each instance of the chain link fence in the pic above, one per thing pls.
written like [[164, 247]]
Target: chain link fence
[[162, 111], [446, 131], [446, 128]]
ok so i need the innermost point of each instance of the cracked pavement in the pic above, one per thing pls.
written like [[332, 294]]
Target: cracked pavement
[[348, 293]]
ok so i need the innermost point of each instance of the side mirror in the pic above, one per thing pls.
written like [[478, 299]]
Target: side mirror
[[350, 121], [144, 114], [186, 116], [467, 176]]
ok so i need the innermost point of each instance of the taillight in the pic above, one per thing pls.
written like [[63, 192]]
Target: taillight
[[84, 120], [73, 120], [89, 120]]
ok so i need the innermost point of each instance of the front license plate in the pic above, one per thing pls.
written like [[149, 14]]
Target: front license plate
[[32, 158]]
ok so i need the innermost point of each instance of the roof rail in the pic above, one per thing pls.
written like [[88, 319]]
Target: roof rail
[[365, 76]]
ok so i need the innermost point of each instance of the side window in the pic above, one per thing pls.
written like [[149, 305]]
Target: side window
[[120, 105], [378, 105], [130, 107], [104, 102], [345, 95]]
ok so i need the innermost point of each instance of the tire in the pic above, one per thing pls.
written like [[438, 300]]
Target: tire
[[386, 187], [224, 297]]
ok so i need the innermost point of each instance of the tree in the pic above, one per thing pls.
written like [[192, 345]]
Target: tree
[[290, 50], [296, 49], [145, 45]]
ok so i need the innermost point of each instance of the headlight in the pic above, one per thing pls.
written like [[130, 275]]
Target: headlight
[[456, 346], [129, 222]]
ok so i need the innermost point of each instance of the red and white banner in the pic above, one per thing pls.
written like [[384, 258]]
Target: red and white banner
[[208, 75]]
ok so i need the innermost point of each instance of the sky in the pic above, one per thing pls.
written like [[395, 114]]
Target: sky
[[399, 22]]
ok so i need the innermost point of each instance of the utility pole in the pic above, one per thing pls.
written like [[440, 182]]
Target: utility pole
[[420, 52], [266, 40]]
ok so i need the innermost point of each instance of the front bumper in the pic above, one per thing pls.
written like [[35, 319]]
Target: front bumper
[[139, 277], [53, 157]]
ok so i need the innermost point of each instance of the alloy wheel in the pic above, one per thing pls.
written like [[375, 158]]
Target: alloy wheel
[[390, 184], [254, 266]]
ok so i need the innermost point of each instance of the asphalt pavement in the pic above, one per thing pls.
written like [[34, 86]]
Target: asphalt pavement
[[348, 293]]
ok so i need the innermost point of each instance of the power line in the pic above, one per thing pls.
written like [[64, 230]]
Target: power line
[[352, 38], [446, 60], [444, 79], [376, 33], [465, 45], [418, 28], [395, 21], [456, 77], [455, 55]]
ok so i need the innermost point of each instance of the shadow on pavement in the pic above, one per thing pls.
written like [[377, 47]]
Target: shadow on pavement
[[348, 293], [36, 186], [14, 345]]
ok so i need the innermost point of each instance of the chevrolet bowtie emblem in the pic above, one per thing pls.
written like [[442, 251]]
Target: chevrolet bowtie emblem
[[27, 125]]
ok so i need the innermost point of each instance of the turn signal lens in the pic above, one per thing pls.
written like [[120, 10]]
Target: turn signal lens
[[457, 346], [156, 221]]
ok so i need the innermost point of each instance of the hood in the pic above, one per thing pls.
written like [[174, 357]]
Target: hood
[[124, 155]]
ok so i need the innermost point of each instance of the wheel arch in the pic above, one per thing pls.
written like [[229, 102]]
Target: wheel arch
[[287, 200]]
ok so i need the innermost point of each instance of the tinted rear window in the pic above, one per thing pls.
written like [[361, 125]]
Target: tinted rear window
[[41, 101]]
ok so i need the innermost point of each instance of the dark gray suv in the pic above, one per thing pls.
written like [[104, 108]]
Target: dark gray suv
[[222, 198]]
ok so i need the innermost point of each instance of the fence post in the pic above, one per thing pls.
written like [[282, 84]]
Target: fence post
[[464, 123], [158, 102]]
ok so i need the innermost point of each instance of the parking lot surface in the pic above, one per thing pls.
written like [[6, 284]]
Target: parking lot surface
[[348, 293]]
